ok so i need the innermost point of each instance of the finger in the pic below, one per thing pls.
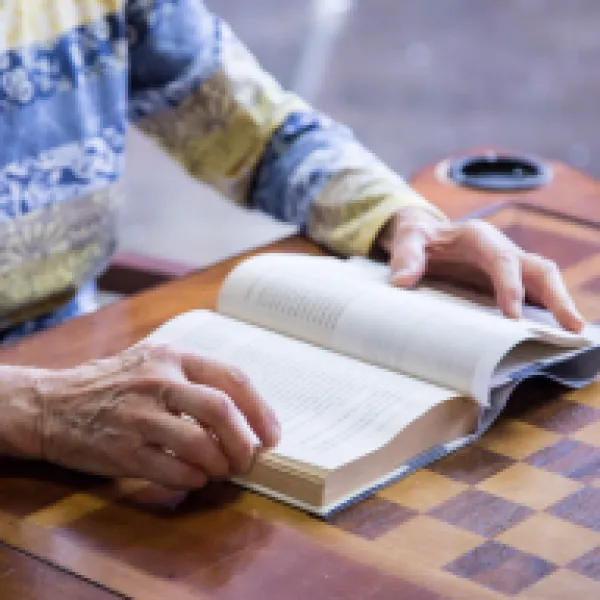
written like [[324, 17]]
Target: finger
[[505, 272], [159, 467], [545, 284], [408, 260], [239, 388], [189, 441], [217, 412], [483, 245]]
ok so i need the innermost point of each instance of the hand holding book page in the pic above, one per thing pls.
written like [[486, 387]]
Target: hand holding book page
[[418, 333]]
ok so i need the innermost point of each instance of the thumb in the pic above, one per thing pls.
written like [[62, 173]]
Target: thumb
[[409, 259]]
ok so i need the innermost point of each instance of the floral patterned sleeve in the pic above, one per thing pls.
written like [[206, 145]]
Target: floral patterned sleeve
[[201, 94]]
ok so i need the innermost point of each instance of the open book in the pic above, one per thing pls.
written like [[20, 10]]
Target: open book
[[369, 382]]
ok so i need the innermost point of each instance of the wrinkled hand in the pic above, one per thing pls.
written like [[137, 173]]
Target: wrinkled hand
[[122, 417], [475, 252]]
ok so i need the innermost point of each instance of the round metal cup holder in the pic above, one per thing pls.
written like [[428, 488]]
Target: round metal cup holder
[[499, 172]]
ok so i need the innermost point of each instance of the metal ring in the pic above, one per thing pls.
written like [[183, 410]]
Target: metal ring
[[496, 172]]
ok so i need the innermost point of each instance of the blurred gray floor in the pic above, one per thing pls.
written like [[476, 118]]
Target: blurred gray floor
[[416, 80]]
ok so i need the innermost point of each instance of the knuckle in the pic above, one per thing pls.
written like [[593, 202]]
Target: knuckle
[[149, 361], [219, 469], [409, 224], [200, 363], [412, 220], [475, 227], [162, 352], [514, 293], [218, 466], [153, 385], [535, 258], [481, 232], [137, 456], [159, 352], [220, 405], [409, 213], [239, 378], [549, 267], [187, 478], [245, 458], [142, 420], [504, 258], [544, 266]]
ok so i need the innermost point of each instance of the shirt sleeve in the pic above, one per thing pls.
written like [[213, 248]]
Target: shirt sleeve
[[200, 93]]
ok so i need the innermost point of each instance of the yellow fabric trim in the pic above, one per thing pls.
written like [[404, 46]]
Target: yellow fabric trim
[[221, 130], [353, 208], [25, 22]]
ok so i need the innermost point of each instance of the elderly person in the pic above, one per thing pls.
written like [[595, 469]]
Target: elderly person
[[72, 74]]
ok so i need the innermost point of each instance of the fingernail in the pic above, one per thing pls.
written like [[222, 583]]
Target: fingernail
[[406, 271], [580, 321], [275, 428], [516, 309]]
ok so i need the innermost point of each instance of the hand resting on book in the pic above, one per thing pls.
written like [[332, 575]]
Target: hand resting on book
[[476, 253], [120, 417]]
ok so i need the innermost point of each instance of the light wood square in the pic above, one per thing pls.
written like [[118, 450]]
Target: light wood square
[[67, 510], [589, 395], [431, 541], [589, 307], [517, 439], [422, 490], [551, 538], [590, 434], [562, 585], [529, 486]]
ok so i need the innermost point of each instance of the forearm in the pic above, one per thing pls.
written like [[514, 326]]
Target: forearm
[[209, 103], [21, 412]]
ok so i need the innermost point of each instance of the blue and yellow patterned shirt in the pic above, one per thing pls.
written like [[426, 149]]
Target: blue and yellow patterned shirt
[[73, 73]]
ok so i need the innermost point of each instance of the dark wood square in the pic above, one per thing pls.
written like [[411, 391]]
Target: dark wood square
[[564, 250], [581, 507], [501, 568], [52, 484], [593, 285], [481, 513], [570, 458], [588, 564], [172, 544], [561, 416], [372, 517], [205, 548], [27, 577], [472, 464]]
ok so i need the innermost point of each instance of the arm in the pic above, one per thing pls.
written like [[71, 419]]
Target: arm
[[200, 93]]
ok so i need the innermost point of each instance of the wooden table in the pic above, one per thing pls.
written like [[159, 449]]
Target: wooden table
[[516, 515]]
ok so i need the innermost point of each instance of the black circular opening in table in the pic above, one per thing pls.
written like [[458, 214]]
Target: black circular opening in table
[[499, 172]]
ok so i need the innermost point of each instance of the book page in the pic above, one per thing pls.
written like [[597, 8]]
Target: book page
[[418, 332], [526, 355], [333, 409], [536, 319]]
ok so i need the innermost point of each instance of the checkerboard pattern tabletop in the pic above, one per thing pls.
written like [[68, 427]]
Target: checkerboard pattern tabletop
[[519, 511], [516, 515]]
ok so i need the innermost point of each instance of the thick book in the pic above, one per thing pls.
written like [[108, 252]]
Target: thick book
[[369, 382]]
